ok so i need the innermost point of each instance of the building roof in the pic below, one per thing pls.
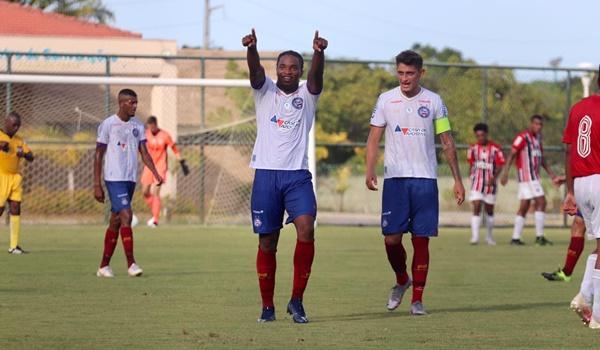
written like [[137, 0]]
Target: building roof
[[16, 19]]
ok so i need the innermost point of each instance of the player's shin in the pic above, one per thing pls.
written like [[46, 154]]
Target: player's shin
[[127, 238], [489, 223], [110, 243], [420, 266], [587, 286], [596, 305], [475, 223], [15, 230], [540, 218], [266, 265], [156, 204], [303, 259], [518, 229], [396, 255]]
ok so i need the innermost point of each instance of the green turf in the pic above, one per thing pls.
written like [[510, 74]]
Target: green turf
[[199, 291]]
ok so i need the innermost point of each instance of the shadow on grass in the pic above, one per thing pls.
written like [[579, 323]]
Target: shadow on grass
[[468, 309]]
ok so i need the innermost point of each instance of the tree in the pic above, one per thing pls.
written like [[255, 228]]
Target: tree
[[90, 10]]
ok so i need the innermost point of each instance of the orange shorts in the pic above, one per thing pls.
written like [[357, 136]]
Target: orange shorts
[[148, 178]]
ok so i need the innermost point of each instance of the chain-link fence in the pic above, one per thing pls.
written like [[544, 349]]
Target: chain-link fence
[[215, 129]]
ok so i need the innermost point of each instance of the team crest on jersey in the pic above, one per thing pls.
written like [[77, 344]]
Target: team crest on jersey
[[135, 132], [298, 102], [257, 222], [423, 112]]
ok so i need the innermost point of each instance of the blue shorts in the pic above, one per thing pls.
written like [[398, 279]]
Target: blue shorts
[[276, 191], [410, 205], [120, 194]]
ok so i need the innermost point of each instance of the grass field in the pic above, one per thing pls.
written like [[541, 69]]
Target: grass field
[[200, 291]]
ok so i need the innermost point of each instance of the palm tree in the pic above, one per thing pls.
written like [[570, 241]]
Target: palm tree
[[90, 10]]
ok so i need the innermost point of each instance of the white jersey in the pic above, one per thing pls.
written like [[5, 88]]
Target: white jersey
[[122, 140], [283, 122], [409, 132]]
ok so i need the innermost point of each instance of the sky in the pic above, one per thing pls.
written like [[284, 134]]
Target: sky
[[508, 32]]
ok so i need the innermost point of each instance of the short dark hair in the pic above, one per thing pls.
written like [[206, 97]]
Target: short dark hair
[[410, 58], [151, 120], [538, 117], [14, 114], [292, 53], [480, 127], [127, 93]]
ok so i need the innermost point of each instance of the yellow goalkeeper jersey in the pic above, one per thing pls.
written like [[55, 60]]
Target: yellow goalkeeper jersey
[[9, 162]]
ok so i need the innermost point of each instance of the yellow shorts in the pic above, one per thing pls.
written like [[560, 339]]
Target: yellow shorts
[[10, 188]]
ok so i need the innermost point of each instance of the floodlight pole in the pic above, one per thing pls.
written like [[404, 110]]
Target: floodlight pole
[[208, 10]]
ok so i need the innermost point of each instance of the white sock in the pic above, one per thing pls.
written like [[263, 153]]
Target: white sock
[[587, 286], [596, 283], [475, 222], [540, 217], [519, 223], [489, 225]]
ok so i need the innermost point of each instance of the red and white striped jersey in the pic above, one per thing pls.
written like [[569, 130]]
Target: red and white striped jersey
[[529, 155], [484, 161]]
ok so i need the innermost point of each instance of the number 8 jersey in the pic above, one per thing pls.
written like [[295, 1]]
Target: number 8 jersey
[[583, 134]]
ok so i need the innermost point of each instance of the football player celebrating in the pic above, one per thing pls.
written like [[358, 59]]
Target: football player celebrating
[[410, 116], [285, 113], [486, 161]]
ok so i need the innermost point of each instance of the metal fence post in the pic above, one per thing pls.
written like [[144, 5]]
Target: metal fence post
[[202, 127], [484, 94], [9, 84], [106, 113]]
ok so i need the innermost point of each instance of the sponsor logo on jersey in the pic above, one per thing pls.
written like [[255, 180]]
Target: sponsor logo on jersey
[[298, 102], [285, 124], [405, 131], [536, 153], [481, 164], [423, 112]]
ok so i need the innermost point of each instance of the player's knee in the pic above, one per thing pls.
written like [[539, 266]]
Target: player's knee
[[15, 208], [268, 242], [393, 239], [125, 216]]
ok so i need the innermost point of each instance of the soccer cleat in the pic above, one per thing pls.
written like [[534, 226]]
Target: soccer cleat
[[417, 309], [17, 250], [268, 315], [490, 241], [516, 241], [582, 308], [594, 324], [134, 270], [542, 241], [557, 275], [105, 271], [396, 295], [296, 309], [473, 242], [151, 223]]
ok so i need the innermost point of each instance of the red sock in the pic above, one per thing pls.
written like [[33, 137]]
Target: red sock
[[420, 266], [303, 259], [573, 253], [397, 257], [127, 238], [266, 264], [110, 243]]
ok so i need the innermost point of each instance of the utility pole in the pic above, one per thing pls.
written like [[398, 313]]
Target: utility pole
[[207, 12]]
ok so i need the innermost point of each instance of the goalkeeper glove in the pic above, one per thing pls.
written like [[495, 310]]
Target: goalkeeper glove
[[184, 167]]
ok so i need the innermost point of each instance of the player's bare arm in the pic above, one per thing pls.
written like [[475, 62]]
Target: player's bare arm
[[569, 204], [506, 170], [449, 148], [98, 158], [257, 72], [149, 163], [317, 67], [372, 155]]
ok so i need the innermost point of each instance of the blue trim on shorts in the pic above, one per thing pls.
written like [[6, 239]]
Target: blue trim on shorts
[[410, 205], [277, 191], [120, 194], [579, 214]]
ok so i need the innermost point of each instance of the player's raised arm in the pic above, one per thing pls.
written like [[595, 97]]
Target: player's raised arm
[[317, 66], [149, 163], [449, 149], [98, 158], [257, 72], [372, 152]]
